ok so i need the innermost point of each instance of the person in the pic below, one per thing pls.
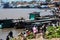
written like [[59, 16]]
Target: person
[[7, 38], [28, 32], [35, 30], [24, 35], [10, 34]]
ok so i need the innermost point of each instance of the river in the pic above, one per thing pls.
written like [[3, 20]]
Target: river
[[21, 12], [4, 32]]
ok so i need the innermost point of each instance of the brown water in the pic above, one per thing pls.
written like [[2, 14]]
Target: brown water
[[4, 32], [18, 13]]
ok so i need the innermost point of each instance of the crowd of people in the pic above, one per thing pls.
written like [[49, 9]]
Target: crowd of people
[[23, 35]]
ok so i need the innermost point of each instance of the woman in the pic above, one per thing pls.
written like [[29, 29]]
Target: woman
[[35, 30]]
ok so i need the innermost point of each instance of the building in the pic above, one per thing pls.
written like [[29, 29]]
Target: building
[[0, 2], [56, 0]]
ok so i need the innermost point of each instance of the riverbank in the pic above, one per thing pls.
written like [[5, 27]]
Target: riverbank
[[4, 32]]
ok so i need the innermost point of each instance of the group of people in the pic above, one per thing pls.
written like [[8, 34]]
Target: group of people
[[23, 35]]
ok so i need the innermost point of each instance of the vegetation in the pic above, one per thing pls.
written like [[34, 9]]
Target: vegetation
[[52, 32], [30, 36]]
